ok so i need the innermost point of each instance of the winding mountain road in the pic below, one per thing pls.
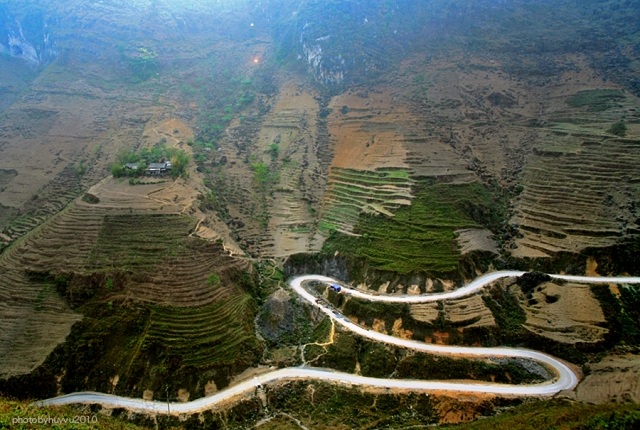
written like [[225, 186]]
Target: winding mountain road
[[566, 378]]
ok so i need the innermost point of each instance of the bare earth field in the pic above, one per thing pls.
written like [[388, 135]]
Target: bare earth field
[[568, 313], [615, 379]]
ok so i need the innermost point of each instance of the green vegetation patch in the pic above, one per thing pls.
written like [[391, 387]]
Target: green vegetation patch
[[213, 280], [218, 334], [622, 313], [325, 406], [159, 153], [342, 355], [595, 100], [420, 237], [619, 129], [562, 415], [425, 366], [506, 310], [139, 241]]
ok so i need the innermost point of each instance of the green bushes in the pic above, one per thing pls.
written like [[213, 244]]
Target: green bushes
[[619, 129], [424, 366], [622, 314], [506, 310], [562, 415], [213, 280]]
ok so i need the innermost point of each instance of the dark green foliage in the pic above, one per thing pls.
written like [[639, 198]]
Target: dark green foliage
[[368, 311], [613, 421], [274, 150], [324, 406], [622, 314], [619, 129], [530, 280], [506, 310], [377, 360], [40, 383], [341, 354], [620, 258], [90, 198], [424, 366]]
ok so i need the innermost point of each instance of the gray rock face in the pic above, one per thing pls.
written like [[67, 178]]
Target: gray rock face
[[277, 316], [26, 37], [287, 320]]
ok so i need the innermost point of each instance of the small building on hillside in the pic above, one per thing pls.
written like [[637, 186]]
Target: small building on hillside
[[158, 168], [131, 166]]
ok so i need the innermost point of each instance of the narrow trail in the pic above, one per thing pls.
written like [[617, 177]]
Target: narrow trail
[[566, 378], [332, 334]]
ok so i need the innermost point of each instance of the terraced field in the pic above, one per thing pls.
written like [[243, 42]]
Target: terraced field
[[351, 193], [139, 241], [578, 192], [288, 143], [466, 312], [271, 178], [419, 237], [205, 336], [567, 313], [140, 256], [185, 279], [33, 320], [34, 317]]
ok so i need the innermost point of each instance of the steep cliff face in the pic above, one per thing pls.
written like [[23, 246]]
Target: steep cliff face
[[27, 37]]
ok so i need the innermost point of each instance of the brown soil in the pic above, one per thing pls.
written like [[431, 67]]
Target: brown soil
[[568, 313], [615, 379], [369, 135], [287, 203], [470, 240]]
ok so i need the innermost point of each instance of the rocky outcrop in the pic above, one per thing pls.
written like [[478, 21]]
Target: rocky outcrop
[[284, 320], [26, 37]]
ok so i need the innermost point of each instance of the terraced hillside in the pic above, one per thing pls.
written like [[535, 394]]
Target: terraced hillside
[[352, 192], [407, 147], [284, 176], [125, 247], [202, 335], [580, 185], [420, 237], [567, 313]]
